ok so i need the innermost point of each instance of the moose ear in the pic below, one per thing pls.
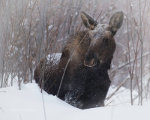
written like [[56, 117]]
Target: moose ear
[[88, 21], [116, 21]]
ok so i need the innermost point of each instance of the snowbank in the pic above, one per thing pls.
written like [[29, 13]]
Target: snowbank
[[27, 104]]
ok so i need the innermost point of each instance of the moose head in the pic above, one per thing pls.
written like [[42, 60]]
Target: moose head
[[102, 45]]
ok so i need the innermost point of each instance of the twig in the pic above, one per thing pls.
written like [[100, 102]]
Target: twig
[[116, 89], [125, 64], [66, 66]]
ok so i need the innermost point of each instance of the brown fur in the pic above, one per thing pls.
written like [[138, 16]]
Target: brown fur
[[86, 80]]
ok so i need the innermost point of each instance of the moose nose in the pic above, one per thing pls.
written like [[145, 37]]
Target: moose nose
[[90, 63]]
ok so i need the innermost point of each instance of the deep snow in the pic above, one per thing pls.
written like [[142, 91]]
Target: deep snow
[[27, 104]]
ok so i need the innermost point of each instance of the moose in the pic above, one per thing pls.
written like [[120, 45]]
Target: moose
[[81, 76]]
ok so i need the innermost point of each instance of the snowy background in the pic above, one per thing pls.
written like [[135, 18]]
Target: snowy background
[[30, 30]]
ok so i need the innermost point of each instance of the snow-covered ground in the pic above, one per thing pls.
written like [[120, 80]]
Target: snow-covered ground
[[27, 104], [30, 104]]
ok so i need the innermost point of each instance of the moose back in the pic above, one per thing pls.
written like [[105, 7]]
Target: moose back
[[81, 76]]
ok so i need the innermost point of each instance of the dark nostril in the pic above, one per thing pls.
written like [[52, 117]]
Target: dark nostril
[[90, 59], [90, 63]]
